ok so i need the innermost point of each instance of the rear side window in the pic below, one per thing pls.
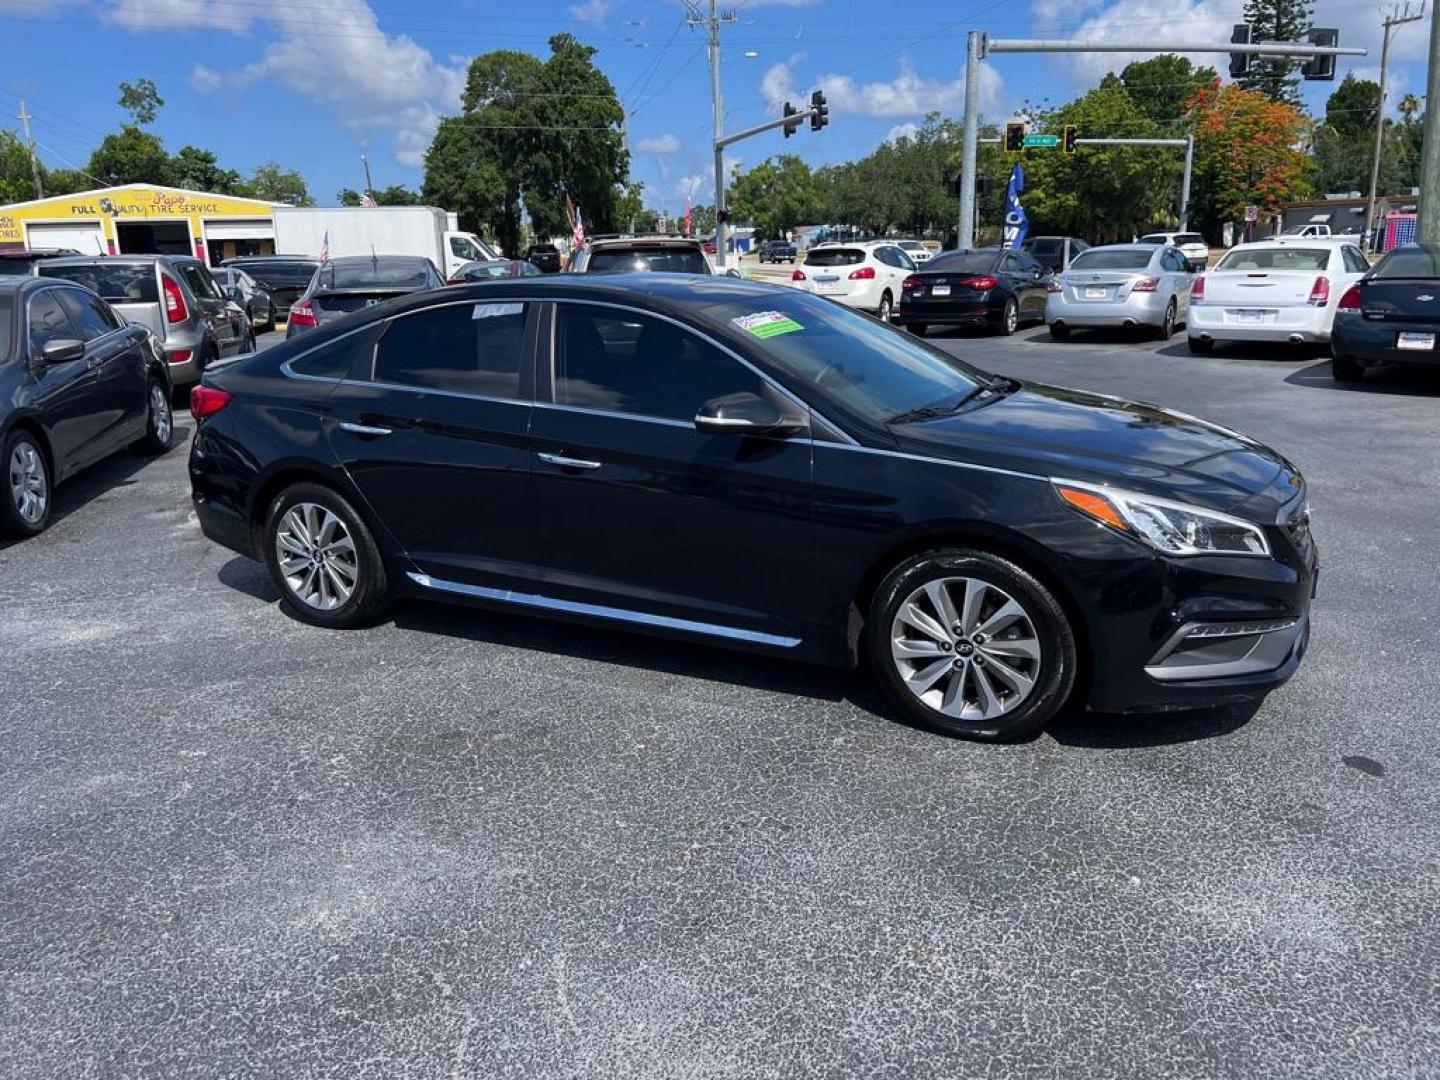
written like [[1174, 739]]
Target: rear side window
[[1277, 258], [91, 315], [460, 348], [119, 283], [1355, 262], [1043, 248], [199, 280], [48, 321], [834, 257], [1111, 260], [351, 356]]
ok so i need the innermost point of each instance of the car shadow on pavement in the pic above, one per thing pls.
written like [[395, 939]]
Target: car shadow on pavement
[[1128, 731], [1273, 352], [90, 483], [1388, 380]]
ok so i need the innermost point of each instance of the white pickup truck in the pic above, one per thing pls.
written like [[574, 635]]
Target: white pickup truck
[[1307, 230]]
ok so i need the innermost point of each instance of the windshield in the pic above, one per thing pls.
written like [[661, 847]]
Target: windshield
[[1276, 258], [956, 262], [1410, 262], [282, 271], [1111, 260], [1188, 238], [834, 257], [866, 368], [379, 273], [622, 260], [120, 283]]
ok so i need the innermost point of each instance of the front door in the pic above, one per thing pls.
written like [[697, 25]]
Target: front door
[[640, 513], [432, 427], [64, 394], [120, 392]]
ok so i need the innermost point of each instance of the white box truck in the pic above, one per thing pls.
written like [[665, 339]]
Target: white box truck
[[379, 230]]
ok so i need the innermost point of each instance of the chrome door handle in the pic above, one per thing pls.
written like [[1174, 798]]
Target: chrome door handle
[[363, 429], [568, 462]]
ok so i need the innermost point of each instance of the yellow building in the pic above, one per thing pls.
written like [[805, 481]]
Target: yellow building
[[142, 219]]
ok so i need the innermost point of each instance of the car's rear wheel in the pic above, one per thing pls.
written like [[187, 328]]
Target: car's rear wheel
[[322, 558], [269, 327], [969, 643], [159, 421], [1010, 317], [1345, 369], [1059, 331], [886, 306], [1166, 330], [25, 508], [1201, 344]]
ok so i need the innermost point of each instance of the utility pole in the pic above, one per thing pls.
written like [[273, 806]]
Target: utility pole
[[1428, 230], [1392, 21], [369, 188], [34, 161], [712, 24]]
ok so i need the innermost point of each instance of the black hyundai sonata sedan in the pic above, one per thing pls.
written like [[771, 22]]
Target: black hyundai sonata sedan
[[750, 465]]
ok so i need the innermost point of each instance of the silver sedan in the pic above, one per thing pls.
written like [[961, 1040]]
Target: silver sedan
[[1121, 285]]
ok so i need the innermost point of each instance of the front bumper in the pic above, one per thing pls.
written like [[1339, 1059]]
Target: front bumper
[[1221, 322], [1138, 309], [1372, 342]]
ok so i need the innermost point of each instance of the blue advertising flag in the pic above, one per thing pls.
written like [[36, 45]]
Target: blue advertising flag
[[1016, 223]]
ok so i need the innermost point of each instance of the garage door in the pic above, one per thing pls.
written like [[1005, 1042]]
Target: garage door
[[85, 237], [238, 229]]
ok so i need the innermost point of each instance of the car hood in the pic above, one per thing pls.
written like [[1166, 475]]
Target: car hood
[[1081, 436]]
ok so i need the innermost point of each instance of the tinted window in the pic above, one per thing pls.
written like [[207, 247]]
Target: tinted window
[[1043, 247], [89, 314], [385, 273], [1410, 262], [864, 367], [962, 262], [900, 259], [7, 322], [119, 283], [349, 356], [282, 271], [1027, 264], [622, 362], [1276, 258], [1189, 238], [199, 280], [620, 260], [834, 257], [462, 248], [1100, 259], [1154, 238], [15, 266], [464, 348], [48, 321]]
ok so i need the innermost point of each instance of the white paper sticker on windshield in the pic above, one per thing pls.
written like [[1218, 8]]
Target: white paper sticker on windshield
[[767, 324], [495, 311]]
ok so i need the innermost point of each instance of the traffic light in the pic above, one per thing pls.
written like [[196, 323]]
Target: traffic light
[[1067, 139], [821, 116], [1321, 67], [1240, 62], [1014, 136], [791, 126]]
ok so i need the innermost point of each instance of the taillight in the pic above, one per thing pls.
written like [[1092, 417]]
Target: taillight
[[1320, 292], [797, 275], [1351, 300], [1146, 284], [179, 356], [865, 273], [1197, 291], [910, 283], [302, 314], [455, 281], [982, 284], [207, 401], [175, 309]]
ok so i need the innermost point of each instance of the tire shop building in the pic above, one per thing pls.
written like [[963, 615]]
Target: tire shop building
[[142, 219]]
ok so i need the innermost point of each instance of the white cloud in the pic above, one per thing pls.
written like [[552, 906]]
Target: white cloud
[[690, 187], [592, 11], [658, 144], [332, 52], [204, 80], [908, 94], [902, 131]]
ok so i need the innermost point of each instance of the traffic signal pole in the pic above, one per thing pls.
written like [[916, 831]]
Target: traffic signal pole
[[980, 45]]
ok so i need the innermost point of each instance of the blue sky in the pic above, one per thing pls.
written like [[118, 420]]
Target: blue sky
[[314, 83]]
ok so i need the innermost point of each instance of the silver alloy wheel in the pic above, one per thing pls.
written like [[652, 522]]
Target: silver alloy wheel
[[316, 556], [160, 418], [1167, 328], [29, 488], [1012, 316], [884, 313], [966, 648]]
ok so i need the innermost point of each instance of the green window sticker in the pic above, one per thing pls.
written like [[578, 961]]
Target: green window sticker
[[767, 324]]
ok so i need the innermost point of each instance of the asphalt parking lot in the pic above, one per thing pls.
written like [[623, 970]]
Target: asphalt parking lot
[[464, 844]]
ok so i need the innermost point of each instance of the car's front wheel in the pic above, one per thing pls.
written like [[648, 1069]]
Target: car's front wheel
[[323, 558], [1010, 317], [25, 508], [886, 306], [159, 420], [969, 643]]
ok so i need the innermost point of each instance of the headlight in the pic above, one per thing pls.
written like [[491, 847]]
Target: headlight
[[1171, 527]]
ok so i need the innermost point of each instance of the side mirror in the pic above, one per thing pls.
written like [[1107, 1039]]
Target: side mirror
[[746, 414], [62, 351], [732, 272], [234, 292]]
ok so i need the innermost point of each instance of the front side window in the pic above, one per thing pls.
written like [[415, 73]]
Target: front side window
[[89, 314], [462, 248], [48, 321], [622, 362], [460, 348]]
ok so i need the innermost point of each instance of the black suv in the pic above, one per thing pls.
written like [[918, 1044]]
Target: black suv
[[545, 257], [777, 251]]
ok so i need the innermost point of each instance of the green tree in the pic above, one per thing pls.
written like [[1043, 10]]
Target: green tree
[[141, 100], [394, 195], [776, 195], [199, 170], [1409, 137], [702, 220], [630, 207], [130, 156], [1345, 141], [1162, 85], [271, 182], [1277, 20], [66, 181], [463, 175], [16, 182]]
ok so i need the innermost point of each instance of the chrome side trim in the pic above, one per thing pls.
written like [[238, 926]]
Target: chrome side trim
[[600, 611], [614, 415], [857, 448]]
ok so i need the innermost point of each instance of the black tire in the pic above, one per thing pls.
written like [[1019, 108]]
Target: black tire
[[12, 522], [1166, 330], [1009, 318], [158, 437], [1201, 345], [1059, 331], [916, 328], [1056, 665], [270, 320], [370, 594], [1345, 369], [886, 308]]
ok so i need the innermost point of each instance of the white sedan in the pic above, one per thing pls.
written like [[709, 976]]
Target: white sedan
[[1274, 290], [866, 276]]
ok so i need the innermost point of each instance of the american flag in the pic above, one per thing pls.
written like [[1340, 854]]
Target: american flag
[[367, 199], [577, 235], [325, 248]]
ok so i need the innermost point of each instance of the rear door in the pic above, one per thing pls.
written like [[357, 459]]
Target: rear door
[[1025, 277], [1178, 278], [226, 325], [113, 352], [65, 394], [432, 425]]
